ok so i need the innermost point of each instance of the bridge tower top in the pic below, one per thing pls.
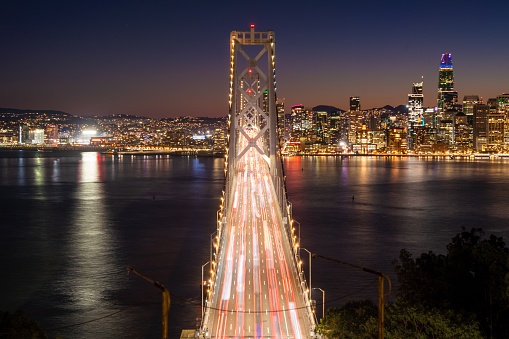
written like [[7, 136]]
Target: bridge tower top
[[252, 97]]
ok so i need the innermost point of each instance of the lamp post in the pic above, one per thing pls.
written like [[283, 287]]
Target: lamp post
[[323, 300], [165, 302], [202, 284], [381, 294], [302, 248], [298, 224], [212, 245]]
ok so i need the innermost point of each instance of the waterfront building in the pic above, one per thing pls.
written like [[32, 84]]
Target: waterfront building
[[447, 99], [447, 96], [280, 109], [445, 133], [415, 104], [356, 119], [24, 134], [480, 128], [492, 105], [301, 131], [422, 143], [368, 141], [503, 103], [415, 111], [296, 121], [7, 137], [495, 131], [288, 126], [37, 136], [378, 139], [334, 130], [355, 104], [462, 140], [429, 116], [265, 100], [397, 140], [321, 126], [327, 126], [219, 144], [372, 119], [503, 108], [468, 106]]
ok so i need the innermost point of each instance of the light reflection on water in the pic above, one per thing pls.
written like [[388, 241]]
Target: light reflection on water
[[399, 203], [90, 248], [72, 223]]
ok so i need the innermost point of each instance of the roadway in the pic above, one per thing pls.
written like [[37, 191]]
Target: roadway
[[257, 291]]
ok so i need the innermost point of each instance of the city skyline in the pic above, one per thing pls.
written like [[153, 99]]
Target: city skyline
[[165, 60]]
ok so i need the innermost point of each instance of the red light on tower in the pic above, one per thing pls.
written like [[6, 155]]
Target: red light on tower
[[252, 25]]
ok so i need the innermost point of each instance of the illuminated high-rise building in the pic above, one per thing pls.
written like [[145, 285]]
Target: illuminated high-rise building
[[492, 105], [296, 120], [355, 119], [447, 103], [415, 112], [265, 101], [415, 104], [447, 96], [503, 109], [280, 109], [355, 104], [495, 131], [469, 101], [219, 145], [480, 125]]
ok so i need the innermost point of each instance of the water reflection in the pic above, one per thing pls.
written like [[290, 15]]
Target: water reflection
[[93, 258], [21, 172]]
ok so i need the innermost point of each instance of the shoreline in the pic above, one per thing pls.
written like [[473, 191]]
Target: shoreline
[[209, 153]]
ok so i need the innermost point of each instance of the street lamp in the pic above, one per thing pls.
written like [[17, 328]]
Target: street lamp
[[302, 248], [212, 242], [298, 224], [202, 284], [165, 302], [381, 295], [323, 300]]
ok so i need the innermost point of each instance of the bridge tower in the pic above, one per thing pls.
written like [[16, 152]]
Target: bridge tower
[[252, 97]]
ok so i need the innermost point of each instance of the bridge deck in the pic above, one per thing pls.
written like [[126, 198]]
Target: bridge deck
[[257, 292]]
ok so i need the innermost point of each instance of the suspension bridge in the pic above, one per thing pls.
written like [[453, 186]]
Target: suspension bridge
[[257, 288]]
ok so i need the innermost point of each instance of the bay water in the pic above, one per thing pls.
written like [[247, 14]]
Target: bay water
[[72, 222]]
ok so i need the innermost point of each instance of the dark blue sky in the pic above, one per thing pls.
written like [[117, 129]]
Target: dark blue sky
[[166, 59]]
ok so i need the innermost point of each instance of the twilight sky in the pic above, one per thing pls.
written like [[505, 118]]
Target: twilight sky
[[169, 58]]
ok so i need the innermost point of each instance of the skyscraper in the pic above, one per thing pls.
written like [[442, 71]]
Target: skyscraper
[[481, 112], [503, 109], [447, 96], [355, 119], [415, 104], [415, 112], [280, 109], [355, 104], [446, 103], [469, 101]]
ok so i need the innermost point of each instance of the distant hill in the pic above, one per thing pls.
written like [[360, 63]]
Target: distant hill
[[28, 111], [326, 108], [397, 109], [401, 108]]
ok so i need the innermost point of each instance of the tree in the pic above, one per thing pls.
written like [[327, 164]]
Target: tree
[[348, 321], [360, 320], [471, 280], [19, 325]]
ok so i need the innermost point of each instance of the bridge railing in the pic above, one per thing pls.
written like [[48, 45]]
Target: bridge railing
[[293, 237]]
